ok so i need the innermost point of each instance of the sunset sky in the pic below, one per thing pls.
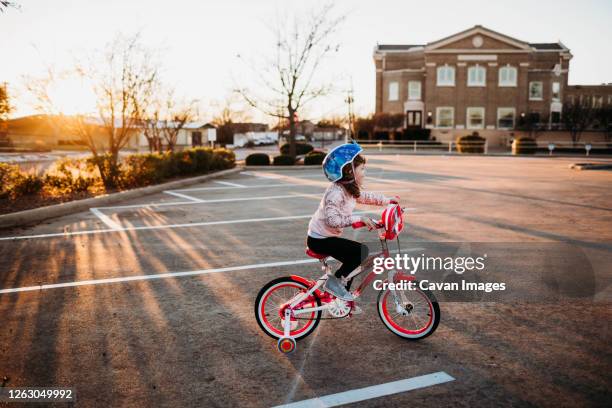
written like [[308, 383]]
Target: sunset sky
[[199, 40]]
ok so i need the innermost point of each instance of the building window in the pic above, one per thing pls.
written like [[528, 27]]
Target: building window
[[414, 90], [556, 91], [597, 101], [536, 91], [446, 76], [477, 76], [445, 117], [570, 99], [609, 99], [393, 91], [505, 118], [507, 76], [475, 118]]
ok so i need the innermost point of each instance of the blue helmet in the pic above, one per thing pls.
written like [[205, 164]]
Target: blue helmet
[[338, 158]]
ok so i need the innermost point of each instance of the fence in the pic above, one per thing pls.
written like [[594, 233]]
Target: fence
[[414, 146]]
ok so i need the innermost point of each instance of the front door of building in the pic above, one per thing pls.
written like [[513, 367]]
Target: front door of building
[[413, 119]]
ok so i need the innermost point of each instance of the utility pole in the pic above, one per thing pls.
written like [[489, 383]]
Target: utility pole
[[351, 115]]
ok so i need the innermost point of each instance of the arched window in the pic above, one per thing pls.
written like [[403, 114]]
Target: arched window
[[477, 76], [507, 76], [446, 76]]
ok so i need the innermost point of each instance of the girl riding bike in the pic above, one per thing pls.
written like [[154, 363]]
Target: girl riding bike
[[345, 168]]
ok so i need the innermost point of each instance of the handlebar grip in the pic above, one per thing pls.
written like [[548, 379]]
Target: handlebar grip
[[358, 224]]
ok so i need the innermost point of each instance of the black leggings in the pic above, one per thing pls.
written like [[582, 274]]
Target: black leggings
[[350, 253]]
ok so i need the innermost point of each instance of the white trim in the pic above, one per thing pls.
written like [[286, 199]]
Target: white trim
[[392, 71], [524, 64], [477, 57], [438, 117], [477, 51], [513, 117], [467, 117], [492, 64], [430, 64], [461, 64], [477, 30]]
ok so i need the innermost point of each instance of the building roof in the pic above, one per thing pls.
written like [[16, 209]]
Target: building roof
[[397, 47], [546, 46]]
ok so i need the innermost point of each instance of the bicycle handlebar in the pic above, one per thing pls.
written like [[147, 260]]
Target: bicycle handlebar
[[361, 224]]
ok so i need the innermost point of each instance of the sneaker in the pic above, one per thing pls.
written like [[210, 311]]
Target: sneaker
[[336, 288]]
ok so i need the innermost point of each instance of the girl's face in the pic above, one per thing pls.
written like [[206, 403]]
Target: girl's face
[[360, 174]]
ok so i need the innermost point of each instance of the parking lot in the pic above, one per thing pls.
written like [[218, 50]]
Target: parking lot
[[150, 302]]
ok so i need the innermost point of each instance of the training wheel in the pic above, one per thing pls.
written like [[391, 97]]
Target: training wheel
[[286, 345]]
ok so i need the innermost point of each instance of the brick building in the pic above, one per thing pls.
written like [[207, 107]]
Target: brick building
[[477, 80]]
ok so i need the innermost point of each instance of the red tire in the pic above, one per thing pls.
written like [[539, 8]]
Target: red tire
[[268, 306], [417, 319]]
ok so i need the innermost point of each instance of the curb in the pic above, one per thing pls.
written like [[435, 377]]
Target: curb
[[591, 166], [272, 167], [23, 218]]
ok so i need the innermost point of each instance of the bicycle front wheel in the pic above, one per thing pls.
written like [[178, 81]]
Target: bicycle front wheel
[[411, 314]]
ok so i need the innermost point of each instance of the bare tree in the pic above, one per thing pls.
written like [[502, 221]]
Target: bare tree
[[5, 5], [289, 75], [123, 76], [576, 117], [174, 117], [229, 113]]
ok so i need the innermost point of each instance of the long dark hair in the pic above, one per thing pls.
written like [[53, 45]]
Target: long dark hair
[[348, 178]]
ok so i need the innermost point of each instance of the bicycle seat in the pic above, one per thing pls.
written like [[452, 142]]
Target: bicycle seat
[[313, 254]]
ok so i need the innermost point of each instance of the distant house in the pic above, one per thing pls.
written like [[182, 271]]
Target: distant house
[[327, 133], [192, 134]]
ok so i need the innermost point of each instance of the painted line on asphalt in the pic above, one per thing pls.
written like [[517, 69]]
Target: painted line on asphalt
[[167, 226], [245, 186], [375, 391], [220, 200], [166, 275], [227, 183], [180, 195], [105, 219], [155, 276]]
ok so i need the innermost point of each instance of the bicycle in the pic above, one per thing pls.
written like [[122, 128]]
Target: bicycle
[[290, 308]]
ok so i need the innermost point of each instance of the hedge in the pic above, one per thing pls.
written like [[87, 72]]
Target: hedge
[[314, 157], [471, 143], [257, 159], [524, 145], [79, 175], [300, 148], [284, 160]]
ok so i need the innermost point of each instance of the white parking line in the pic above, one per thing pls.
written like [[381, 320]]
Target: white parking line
[[166, 275], [227, 183], [105, 219], [375, 391], [155, 276], [174, 193], [255, 186], [157, 227]]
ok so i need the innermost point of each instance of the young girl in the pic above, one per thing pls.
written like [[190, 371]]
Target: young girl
[[345, 168]]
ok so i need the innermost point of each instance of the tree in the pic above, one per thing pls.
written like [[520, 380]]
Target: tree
[[5, 5], [576, 117], [289, 76], [229, 112], [175, 116], [604, 119], [123, 77], [5, 103]]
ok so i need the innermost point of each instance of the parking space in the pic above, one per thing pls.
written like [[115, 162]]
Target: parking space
[[157, 307]]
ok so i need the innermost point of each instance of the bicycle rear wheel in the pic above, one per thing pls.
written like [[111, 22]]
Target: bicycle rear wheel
[[415, 316], [269, 309]]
